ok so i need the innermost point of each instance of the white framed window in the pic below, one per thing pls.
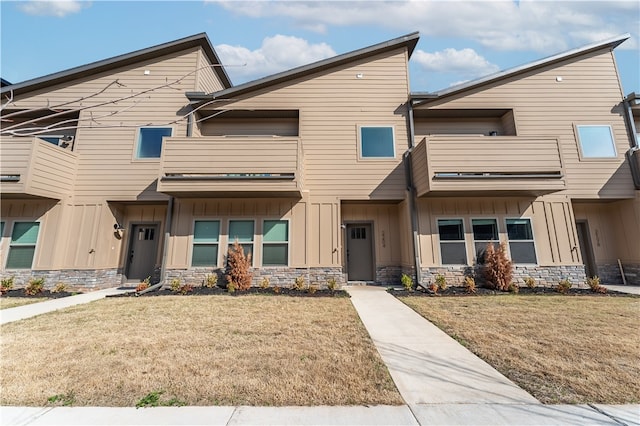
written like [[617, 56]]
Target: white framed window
[[485, 231], [206, 240], [22, 247], [453, 248], [275, 243], [596, 141], [521, 241], [243, 232], [149, 141], [377, 142]]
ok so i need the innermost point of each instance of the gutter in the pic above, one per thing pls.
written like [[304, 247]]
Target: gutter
[[413, 212], [633, 138]]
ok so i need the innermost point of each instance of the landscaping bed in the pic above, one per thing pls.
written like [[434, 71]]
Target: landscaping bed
[[44, 294], [212, 291], [457, 291]]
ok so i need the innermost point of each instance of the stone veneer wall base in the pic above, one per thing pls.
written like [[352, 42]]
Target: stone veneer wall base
[[75, 279], [610, 273]]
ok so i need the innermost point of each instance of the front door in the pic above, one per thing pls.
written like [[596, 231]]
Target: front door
[[359, 252], [586, 250], [142, 251]]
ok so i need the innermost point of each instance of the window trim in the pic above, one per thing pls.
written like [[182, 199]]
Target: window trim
[[359, 139], [136, 144], [288, 242], [35, 245], [193, 242], [581, 156], [533, 234], [473, 239], [230, 241], [464, 240]]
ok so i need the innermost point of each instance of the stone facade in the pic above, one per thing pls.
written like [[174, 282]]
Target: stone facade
[[610, 273], [391, 275], [545, 276], [75, 279]]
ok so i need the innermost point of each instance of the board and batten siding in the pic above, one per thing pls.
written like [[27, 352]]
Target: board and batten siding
[[589, 93], [106, 139], [551, 219], [332, 104]]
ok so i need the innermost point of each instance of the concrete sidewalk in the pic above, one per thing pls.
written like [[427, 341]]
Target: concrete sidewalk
[[428, 366], [631, 289], [28, 311], [420, 414]]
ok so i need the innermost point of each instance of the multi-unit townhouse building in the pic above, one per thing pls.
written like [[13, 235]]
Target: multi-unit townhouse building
[[152, 163]]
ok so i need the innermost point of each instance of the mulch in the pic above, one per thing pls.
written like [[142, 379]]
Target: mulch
[[44, 293], [207, 291], [455, 291]]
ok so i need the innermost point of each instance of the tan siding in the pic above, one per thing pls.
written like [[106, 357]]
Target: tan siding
[[207, 79], [332, 104], [325, 247], [458, 126], [15, 159], [267, 126], [589, 93], [551, 220]]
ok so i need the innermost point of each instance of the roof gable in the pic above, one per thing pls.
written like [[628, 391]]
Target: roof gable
[[82, 71], [409, 41]]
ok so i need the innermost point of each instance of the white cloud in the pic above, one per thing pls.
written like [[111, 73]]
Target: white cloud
[[542, 26], [465, 62], [58, 8], [277, 53]]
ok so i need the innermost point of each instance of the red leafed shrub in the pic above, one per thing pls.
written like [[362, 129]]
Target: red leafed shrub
[[498, 268], [237, 272]]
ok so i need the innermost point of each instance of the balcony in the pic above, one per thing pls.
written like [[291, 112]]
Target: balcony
[[232, 166], [483, 165], [33, 167]]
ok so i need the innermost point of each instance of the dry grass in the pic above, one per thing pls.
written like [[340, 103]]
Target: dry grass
[[202, 350], [561, 349], [12, 302]]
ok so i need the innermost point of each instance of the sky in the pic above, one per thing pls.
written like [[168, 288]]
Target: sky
[[460, 40]]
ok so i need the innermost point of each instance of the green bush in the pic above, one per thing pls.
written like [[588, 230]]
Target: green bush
[[35, 286], [407, 282]]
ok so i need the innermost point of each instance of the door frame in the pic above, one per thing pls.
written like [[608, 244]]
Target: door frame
[[590, 262], [127, 264], [373, 245]]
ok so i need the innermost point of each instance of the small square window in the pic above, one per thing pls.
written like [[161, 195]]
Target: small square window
[[596, 141], [150, 141], [377, 142]]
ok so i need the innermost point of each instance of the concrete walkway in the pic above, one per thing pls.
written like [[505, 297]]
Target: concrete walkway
[[428, 366], [28, 311], [631, 289]]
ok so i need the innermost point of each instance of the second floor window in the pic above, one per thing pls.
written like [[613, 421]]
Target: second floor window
[[150, 141], [596, 141], [377, 142]]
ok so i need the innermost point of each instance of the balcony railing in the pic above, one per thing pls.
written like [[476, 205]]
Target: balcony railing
[[459, 164], [231, 166], [35, 167]]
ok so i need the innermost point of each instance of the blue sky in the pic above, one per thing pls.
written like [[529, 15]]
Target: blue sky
[[460, 40]]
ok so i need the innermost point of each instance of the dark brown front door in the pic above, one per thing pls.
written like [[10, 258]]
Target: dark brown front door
[[360, 252], [143, 249], [586, 250]]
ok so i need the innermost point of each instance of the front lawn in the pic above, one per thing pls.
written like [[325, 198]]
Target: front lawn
[[12, 302], [562, 349], [198, 350]]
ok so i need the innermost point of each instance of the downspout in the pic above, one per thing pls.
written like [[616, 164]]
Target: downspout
[[413, 212], [635, 144]]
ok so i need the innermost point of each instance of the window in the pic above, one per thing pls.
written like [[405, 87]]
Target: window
[[596, 141], [150, 141], [23, 245], [484, 232], [275, 243], [206, 234], [242, 230], [521, 241], [377, 142], [453, 250]]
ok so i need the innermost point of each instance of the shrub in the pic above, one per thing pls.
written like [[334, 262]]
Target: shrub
[[469, 285], [231, 287], [238, 266], [513, 288], [299, 284], [530, 282], [563, 286], [276, 289], [35, 286], [144, 284], [175, 285], [332, 284], [187, 288], [441, 282], [407, 282], [312, 288], [60, 287], [210, 281], [498, 268], [6, 284], [265, 283], [433, 287], [594, 285]]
